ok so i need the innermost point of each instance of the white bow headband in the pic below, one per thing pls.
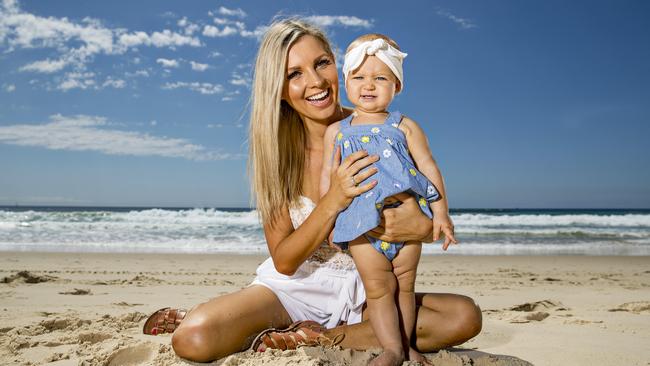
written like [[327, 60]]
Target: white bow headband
[[388, 54]]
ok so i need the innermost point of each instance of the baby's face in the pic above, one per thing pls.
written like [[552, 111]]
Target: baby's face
[[372, 86]]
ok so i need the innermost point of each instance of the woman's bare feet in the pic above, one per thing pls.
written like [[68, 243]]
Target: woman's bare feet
[[388, 358], [418, 357]]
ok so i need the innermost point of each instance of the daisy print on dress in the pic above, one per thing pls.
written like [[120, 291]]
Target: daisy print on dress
[[423, 202], [346, 144], [387, 153], [375, 130], [339, 136], [390, 142], [385, 246], [413, 172], [430, 190], [365, 139]]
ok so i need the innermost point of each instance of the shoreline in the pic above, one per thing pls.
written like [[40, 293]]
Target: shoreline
[[572, 309]]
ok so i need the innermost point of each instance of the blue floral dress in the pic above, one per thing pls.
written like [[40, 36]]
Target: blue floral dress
[[396, 173]]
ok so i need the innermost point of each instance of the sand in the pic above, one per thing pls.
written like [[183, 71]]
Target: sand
[[88, 309]]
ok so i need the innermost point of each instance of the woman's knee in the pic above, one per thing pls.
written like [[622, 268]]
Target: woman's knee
[[195, 338], [469, 319]]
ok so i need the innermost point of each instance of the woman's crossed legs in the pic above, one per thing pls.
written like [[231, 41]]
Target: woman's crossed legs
[[228, 324]]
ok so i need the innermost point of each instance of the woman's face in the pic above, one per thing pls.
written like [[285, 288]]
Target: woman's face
[[311, 80]]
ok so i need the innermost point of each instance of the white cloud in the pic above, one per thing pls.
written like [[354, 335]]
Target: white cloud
[[203, 88], [198, 67], [221, 21], [166, 38], [89, 133], [334, 20], [153, 123], [232, 27], [142, 73], [86, 80], [214, 54], [188, 27], [212, 31], [45, 66], [76, 42], [169, 14], [462, 22], [114, 83], [77, 80], [232, 12], [257, 33], [240, 80], [9, 87], [167, 63]]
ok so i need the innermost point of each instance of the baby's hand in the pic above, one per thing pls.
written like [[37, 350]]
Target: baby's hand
[[442, 223], [330, 242]]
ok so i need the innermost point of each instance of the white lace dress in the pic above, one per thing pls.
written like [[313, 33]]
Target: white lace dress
[[326, 288]]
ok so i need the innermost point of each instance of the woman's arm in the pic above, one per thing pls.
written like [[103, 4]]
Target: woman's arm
[[328, 150], [289, 248]]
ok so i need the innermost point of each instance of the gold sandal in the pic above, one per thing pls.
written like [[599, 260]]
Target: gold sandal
[[304, 333], [164, 320]]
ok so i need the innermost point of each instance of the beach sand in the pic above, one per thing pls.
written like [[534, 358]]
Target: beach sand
[[88, 309]]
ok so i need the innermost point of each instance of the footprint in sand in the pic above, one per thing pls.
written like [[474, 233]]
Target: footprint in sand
[[76, 291], [537, 305], [93, 337], [134, 355], [635, 307], [27, 277], [533, 309]]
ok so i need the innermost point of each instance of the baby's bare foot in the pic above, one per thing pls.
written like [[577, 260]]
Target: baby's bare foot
[[418, 357], [388, 358]]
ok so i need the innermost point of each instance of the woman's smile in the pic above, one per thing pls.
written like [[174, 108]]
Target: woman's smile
[[322, 99]]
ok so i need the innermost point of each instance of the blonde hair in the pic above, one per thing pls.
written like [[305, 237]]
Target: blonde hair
[[277, 136], [371, 37]]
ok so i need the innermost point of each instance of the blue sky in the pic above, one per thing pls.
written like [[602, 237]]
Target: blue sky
[[526, 104]]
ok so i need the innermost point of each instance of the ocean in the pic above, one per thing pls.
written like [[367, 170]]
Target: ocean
[[224, 230]]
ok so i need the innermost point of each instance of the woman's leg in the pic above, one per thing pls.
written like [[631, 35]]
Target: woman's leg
[[442, 320], [227, 324]]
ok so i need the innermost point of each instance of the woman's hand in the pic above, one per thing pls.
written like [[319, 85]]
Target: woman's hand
[[403, 223], [442, 223], [346, 176]]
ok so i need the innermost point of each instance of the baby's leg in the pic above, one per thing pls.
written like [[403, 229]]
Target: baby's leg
[[404, 267], [380, 283]]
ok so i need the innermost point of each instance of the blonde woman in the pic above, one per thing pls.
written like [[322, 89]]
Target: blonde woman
[[306, 292]]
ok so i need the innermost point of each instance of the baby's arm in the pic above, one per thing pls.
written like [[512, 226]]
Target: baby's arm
[[418, 146], [326, 171]]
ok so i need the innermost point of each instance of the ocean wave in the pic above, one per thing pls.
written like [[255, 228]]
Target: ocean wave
[[213, 230]]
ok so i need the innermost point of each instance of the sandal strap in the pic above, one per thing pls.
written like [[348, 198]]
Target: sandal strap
[[164, 320], [171, 320], [299, 334]]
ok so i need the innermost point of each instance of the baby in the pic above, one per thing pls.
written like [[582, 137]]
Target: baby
[[373, 75]]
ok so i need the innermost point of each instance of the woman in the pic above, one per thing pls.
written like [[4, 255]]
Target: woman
[[295, 98]]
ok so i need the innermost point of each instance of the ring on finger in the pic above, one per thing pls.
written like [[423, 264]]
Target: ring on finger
[[354, 181]]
